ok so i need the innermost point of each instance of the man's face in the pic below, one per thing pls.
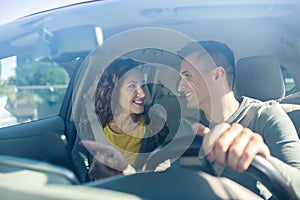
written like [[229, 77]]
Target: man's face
[[193, 83]]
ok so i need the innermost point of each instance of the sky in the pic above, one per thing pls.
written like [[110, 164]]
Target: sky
[[13, 9]]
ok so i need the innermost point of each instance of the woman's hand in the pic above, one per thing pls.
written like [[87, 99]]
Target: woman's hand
[[107, 160], [231, 145]]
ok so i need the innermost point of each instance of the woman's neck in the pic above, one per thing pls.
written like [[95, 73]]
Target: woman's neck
[[122, 123]]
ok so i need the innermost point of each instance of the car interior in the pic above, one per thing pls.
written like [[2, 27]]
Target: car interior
[[264, 42], [266, 85]]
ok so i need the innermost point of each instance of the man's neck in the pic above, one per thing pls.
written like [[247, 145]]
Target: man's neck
[[222, 108]]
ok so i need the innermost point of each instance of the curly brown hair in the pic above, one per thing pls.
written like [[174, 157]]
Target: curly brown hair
[[105, 87]]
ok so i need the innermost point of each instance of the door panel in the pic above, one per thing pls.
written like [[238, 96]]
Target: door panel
[[40, 140]]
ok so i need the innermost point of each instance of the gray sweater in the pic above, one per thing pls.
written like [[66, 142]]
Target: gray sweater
[[279, 134]]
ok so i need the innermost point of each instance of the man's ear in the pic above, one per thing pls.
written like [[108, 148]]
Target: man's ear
[[219, 72]]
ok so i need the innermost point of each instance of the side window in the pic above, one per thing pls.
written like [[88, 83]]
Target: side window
[[30, 89], [288, 81]]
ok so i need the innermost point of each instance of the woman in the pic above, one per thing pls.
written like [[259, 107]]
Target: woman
[[120, 107]]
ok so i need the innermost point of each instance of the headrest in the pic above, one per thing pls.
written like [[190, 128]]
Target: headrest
[[259, 77]]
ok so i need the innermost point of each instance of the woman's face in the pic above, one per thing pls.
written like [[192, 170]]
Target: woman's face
[[132, 94]]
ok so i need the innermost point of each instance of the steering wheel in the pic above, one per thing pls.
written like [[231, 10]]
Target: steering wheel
[[261, 169]]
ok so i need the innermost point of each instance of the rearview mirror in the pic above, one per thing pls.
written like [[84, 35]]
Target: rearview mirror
[[70, 43]]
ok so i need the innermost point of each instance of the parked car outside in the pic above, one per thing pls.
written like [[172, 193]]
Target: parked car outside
[[7, 118]]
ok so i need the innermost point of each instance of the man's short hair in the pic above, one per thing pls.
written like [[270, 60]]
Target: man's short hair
[[219, 52]]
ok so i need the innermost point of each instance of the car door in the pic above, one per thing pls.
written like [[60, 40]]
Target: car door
[[36, 93], [39, 131]]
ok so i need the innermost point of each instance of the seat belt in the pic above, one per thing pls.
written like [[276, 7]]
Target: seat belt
[[218, 169], [250, 114]]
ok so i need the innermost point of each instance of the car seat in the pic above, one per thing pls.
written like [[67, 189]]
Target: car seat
[[260, 77], [292, 98]]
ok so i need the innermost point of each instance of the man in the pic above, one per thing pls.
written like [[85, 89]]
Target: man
[[208, 70]]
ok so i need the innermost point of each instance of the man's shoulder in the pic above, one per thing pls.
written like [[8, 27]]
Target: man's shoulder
[[262, 106], [262, 111], [269, 113]]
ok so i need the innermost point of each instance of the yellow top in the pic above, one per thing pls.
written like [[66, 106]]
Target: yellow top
[[128, 143]]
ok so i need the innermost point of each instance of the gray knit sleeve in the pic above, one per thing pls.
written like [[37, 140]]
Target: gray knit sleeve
[[279, 133]]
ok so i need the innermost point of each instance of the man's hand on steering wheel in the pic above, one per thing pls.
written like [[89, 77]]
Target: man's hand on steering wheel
[[231, 145]]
